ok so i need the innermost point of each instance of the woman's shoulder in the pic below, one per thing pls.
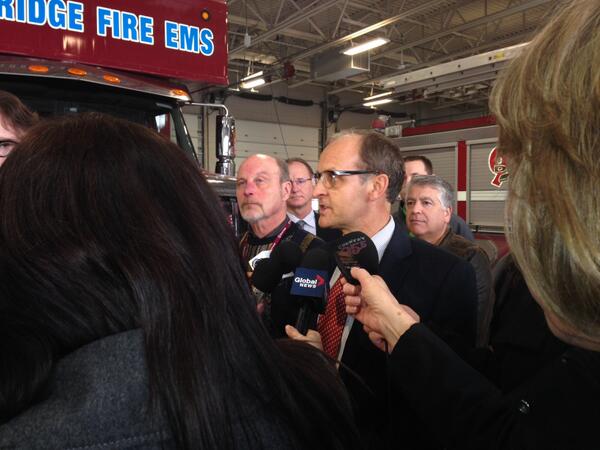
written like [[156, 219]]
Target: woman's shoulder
[[97, 395]]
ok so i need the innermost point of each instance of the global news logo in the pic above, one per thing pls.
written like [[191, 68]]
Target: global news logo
[[310, 283]]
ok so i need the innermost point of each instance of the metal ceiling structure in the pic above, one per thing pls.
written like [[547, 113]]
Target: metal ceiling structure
[[280, 37]]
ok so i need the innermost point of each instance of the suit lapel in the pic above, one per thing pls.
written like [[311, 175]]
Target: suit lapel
[[396, 260]]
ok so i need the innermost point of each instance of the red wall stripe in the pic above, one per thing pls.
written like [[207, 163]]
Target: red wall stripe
[[449, 126]]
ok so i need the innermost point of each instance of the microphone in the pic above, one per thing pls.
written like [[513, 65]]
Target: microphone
[[310, 288], [268, 272], [355, 249], [288, 255]]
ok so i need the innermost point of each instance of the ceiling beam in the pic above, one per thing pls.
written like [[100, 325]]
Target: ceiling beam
[[465, 26], [310, 10], [469, 51]]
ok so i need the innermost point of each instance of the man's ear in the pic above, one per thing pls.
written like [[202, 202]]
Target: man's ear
[[286, 189], [448, 214], [379, 186]]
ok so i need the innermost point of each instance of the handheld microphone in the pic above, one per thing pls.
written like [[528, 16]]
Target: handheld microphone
[[288, 255], [268, 272], [355, 249], [310, 287]]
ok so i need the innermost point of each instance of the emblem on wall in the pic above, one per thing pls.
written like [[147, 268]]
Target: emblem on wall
[[498, 168]]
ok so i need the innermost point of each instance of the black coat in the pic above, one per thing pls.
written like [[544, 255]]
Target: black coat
[[557, 408], [441, 288]]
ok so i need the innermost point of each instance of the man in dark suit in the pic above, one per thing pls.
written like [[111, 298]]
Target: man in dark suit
[[360, 175], [299, 203]]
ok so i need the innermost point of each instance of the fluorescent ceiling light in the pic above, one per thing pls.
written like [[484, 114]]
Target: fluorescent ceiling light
[[383, 94], [254, 82], [377, 42], [378, 102], [254, 75]]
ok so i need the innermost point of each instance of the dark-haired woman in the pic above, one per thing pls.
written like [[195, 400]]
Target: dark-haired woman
[[125, 316]]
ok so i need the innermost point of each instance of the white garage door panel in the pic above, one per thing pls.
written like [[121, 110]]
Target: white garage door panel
[[282, 141], [245, 149], [443, 160], [272, 133]]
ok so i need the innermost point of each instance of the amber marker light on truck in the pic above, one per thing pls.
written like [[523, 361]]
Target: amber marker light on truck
[[77, 71], [111, 79], [180, 93], [38, 68], [205, 15]]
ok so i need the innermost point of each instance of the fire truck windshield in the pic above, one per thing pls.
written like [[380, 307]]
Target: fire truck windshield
[[55, 97]]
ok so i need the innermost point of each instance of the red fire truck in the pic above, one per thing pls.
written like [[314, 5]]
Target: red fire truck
[[464, 153], [128, 58]]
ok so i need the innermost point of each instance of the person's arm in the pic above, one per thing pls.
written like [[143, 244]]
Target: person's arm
[[454, 317], [462, 408]]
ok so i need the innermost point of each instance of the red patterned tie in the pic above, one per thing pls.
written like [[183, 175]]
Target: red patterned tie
[[331, 324]]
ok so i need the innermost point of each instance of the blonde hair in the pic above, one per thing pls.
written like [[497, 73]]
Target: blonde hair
[[547, 106]]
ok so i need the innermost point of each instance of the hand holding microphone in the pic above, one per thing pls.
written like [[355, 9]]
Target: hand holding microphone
[[355, 249]]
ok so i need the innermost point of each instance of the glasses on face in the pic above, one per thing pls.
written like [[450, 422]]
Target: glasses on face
[[302, 181], [6, 146], [329, 176]]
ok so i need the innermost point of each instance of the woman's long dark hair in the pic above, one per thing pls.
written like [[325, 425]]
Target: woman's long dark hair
[[105, 227]]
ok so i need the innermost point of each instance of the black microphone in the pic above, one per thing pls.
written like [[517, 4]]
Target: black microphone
[[355, 249], [310, 288], [268, 272], [288, 255]]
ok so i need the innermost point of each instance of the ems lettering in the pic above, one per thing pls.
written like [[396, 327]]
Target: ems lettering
[[188, 38], [124, 25], [57, 14]]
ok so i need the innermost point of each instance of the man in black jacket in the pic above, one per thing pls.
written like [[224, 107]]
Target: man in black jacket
[[360, 175]]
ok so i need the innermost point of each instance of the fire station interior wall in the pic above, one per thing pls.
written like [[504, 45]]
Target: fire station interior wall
[[280, 140], [443, 160], [486, 205]]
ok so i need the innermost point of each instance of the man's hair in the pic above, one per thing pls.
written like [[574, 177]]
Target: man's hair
[[379, 154], [446, 193], [424, 159], [303, 162], [547, 106], [284, 171], [14, 113], [154, 253]]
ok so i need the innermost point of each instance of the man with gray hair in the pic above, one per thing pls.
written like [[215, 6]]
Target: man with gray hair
[[421, 165], [263, 187], [429, 202]]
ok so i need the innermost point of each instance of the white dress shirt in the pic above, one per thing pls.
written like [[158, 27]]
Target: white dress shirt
[[309, 224], [381, 239]]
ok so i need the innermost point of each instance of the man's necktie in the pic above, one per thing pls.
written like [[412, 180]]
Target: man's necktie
[[301, 224], [331, 324]]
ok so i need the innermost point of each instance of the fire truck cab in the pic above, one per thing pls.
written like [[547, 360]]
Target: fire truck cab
[[136, 60]]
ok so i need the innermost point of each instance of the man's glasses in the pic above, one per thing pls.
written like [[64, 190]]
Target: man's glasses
[[302, 181], [329, 176]]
